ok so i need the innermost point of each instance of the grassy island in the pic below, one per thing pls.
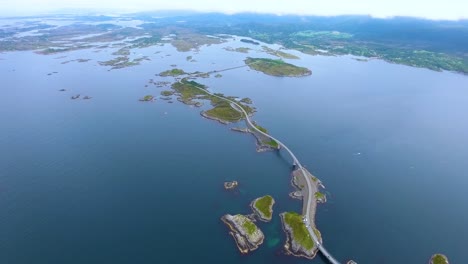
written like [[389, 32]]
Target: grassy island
[[147, 98], [123, 62], [240, 49], [263, 207], [221, 111], [167, 93], [276, 67], [439, 259], [172, 72], [300, 234]]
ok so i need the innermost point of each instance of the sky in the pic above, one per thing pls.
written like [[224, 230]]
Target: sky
[[430, 9]]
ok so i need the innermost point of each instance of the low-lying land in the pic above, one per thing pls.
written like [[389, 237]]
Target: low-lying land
[[123, 62], [147, 98], [263, 207], [240, 49], [298, 240], [279, 53], [222, 111], [439, 259], [172, 72], [276, 67], [247, 235]]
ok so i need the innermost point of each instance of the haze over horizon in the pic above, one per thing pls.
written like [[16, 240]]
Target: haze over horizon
[[446, 10]]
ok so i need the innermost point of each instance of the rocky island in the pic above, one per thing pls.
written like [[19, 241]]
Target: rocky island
[[173, 72], [277, 68], [298, 240], [230, 185], [247, 235], [438, 259], [147, 98], [263, 207]]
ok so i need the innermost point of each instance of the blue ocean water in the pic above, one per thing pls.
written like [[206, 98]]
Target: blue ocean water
[[115, 180]]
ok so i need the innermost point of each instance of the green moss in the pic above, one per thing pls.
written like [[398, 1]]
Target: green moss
[[264, 205], [300, 233], [276, 67]]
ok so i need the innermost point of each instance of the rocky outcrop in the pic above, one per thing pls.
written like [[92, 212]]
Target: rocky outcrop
[[230, 185], [247, 235], [292, 246]]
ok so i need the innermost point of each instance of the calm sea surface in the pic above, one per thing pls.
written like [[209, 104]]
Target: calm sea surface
[[114, 180]]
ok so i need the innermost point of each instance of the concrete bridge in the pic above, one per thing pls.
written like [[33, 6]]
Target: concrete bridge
[[310, 197]]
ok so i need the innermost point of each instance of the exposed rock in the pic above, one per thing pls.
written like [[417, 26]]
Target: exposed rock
[[75, 97], [296, 195], [87, 97], [247, 235], [230, 185]]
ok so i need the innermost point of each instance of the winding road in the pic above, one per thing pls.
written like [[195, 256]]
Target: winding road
[[311, 196]]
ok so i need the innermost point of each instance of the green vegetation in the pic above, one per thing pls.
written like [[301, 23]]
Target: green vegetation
[[225, 112], [264, 205], [222, 110], [240, 49], [299, 231], [167, 93], [187, 41], [189, 58], [317, 234], [218, 75], [123, 62], [270, 142], [249, 226], [319, 196], [439, 259], [279, 53], [246, 100], [147, 98], [172, 72], [125, 51], [276, 67], [187, 91]]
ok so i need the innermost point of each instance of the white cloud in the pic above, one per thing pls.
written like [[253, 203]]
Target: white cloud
[[448, 9]]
